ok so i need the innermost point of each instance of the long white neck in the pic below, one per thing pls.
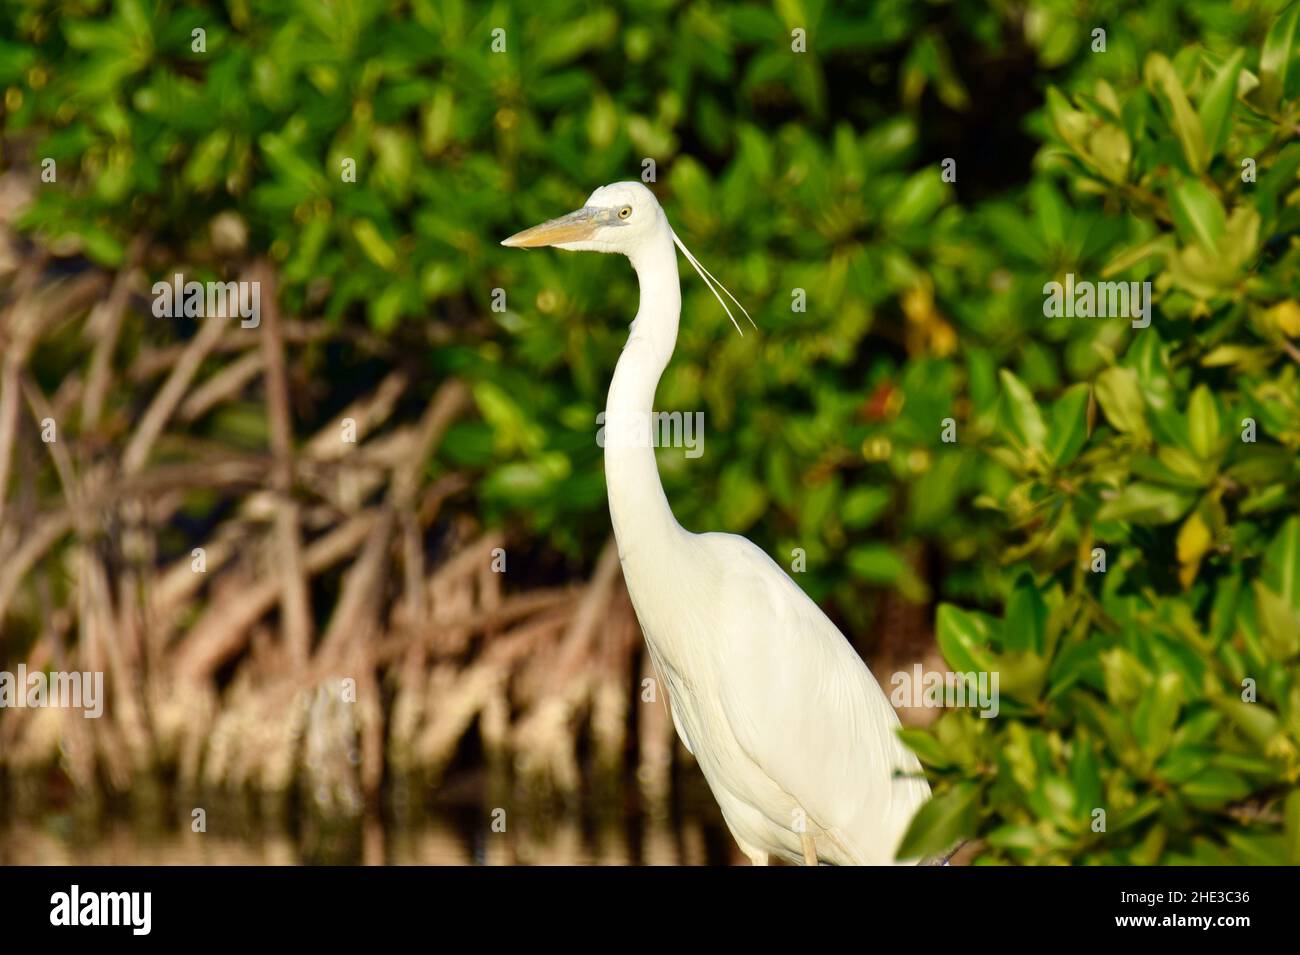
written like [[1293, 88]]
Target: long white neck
[[643, 521]]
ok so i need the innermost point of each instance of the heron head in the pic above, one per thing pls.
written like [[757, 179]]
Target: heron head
[[622, 217], [615, 218]]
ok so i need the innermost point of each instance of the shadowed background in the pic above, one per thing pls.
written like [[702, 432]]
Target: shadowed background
[[407, 614]]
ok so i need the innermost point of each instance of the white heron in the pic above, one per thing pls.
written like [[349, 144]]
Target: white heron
[[793, 734]]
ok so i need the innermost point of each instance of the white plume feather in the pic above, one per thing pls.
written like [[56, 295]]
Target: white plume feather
[[710, 281]]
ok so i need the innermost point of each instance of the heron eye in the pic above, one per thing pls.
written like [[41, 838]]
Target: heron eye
[[625, 212]]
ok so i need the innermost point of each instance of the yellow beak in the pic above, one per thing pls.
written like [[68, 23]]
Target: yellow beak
[[576, 226]]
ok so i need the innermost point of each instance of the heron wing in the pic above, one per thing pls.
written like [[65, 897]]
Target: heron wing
[[803, 705], [662, 671]]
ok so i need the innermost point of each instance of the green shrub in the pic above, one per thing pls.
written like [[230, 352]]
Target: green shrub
[[1163, 690]]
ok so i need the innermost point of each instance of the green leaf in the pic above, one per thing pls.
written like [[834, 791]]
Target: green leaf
[[1070, 124], [1275, 59], [1256, 720], [927, 749], [1198, 216], [942, 822], [1291, 814], [1120, 397], [1204, 424], [741, 498], [1111, 151], [1180, 468], [1161, 79], [527, 481], [1124, 676], [1216, 104], [1026, 618], [513, 429], [1022, 673], [1157, 714], [1085, 775], [374, 244], [387, 309], [1279, 624], [1069, 430], [102, 246], [1023, 838], [1050, 212], [1281, 569], [15, 60], [1214, 788], [916, 200], [1022, 421], [964, 639], [1146, 504], [863, 506], [1162, 244], [1278, 180], [876, 563]]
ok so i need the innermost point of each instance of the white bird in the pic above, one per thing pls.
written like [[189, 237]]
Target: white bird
[[792, 732]]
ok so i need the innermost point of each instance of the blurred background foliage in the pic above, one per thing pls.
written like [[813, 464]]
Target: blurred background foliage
[[816, 171]]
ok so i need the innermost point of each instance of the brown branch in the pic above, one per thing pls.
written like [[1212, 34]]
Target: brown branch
[[222, 386], [295, 606], [171, 393], [511, 611], [36, 542], [368, 413], [15, 342], [223, 629], [359, 603], [105, 322]]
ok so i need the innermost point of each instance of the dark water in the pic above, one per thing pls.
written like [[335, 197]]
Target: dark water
[[40, 842], [690, 832]]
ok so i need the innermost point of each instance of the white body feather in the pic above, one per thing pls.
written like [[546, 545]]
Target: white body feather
[[787, 724]]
